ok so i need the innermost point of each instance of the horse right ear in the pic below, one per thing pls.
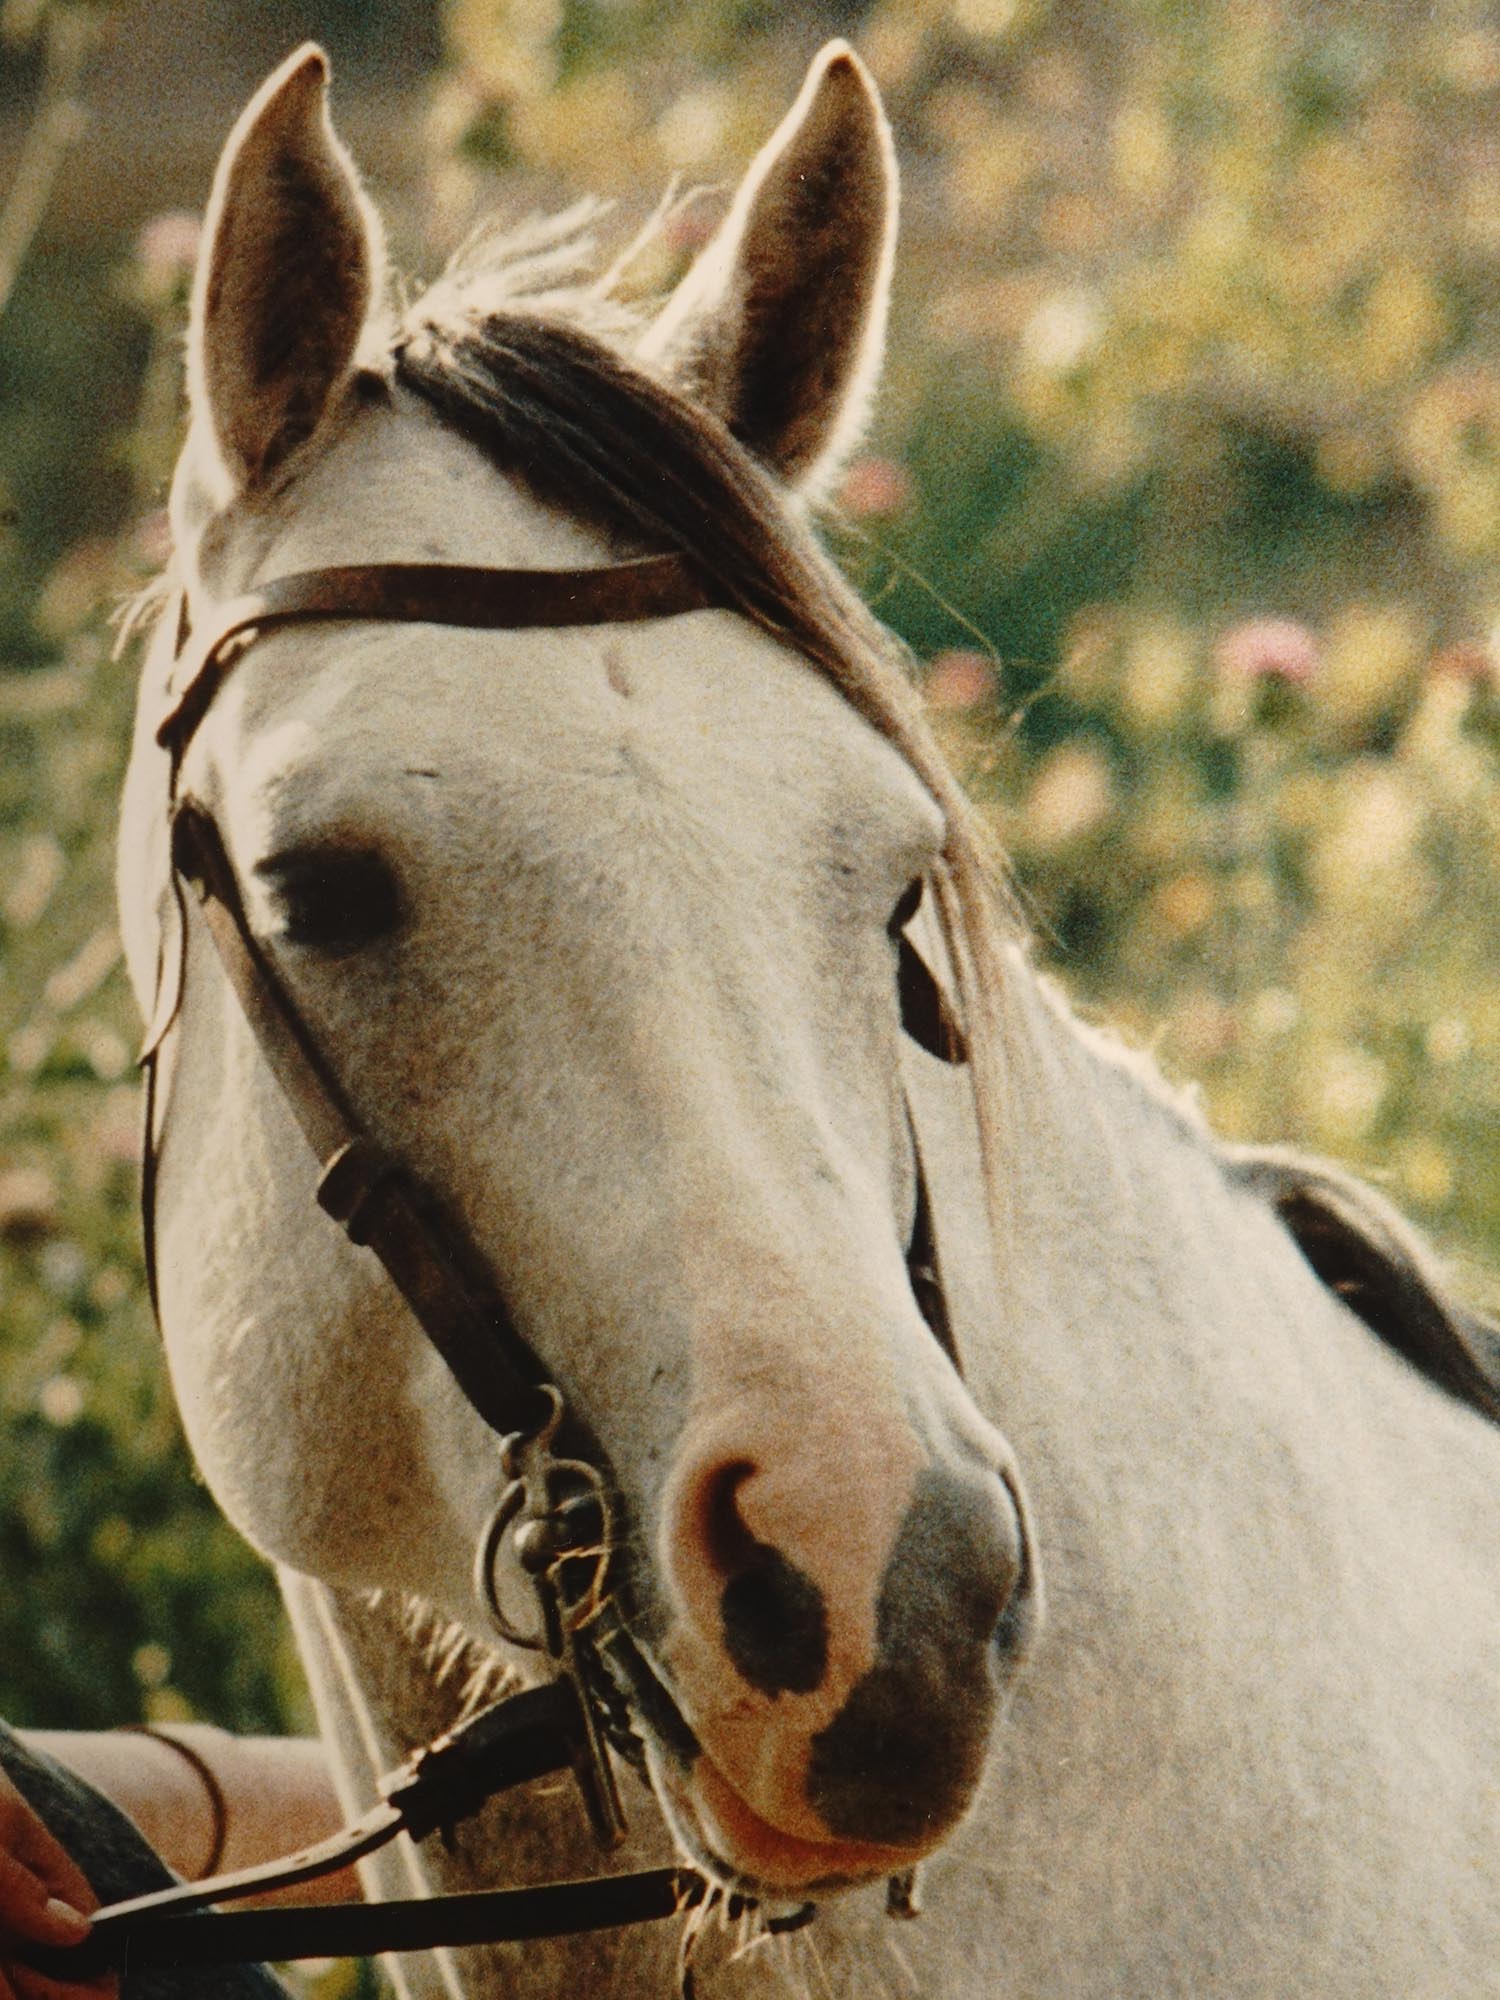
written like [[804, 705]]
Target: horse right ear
[[779, 328], [291, 266]]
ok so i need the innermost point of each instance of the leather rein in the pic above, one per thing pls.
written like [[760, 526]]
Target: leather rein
[[554, 1522]]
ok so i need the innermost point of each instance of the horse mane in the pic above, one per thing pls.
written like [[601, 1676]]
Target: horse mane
[[536, 372], [1365, 1252]]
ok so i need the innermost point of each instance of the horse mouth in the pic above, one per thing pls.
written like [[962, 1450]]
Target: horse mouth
[[712, 1822], [749, 1854]]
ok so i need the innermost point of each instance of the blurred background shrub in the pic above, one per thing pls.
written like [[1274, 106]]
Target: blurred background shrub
[[1185, 492]]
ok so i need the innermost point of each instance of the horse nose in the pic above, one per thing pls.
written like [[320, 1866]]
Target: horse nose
[[772, 1615], [811, 1570], [848, 1601], [772, 1565], [907, 1746]]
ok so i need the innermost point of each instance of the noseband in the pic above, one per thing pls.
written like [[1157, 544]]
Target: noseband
[[554, 1520]]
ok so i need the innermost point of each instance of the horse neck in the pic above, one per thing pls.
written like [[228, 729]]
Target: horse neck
[[1203, 1426], [1114, 1189]]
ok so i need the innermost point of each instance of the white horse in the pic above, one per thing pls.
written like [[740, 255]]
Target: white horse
[[600, 927]]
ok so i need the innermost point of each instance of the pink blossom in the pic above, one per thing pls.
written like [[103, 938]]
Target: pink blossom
[[1465, 660], [959, 680], [1269, 649], [874, 486]]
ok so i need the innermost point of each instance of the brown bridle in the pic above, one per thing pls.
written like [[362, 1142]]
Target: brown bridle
[[374, 1201], [555, 1514], [485, 600]]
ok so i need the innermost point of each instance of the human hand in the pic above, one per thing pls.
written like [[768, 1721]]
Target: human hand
[[44, 1899]]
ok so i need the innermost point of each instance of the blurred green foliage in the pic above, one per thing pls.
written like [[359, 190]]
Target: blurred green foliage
[[1186, 494], [127, 1595]]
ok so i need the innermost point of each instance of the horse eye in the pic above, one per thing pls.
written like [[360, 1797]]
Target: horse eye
[[906, 908], [925, 1013], [333, 899]]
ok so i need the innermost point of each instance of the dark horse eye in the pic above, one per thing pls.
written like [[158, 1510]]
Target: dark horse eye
[[908, 906], [333, 899], [925, 1013]]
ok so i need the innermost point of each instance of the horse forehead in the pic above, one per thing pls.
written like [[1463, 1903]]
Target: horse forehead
[[695, 731], [704, 703]]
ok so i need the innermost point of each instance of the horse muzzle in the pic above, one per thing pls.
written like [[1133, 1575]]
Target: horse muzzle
[[829, 1742]]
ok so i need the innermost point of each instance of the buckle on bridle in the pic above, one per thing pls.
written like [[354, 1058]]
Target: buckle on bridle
[[555, 1516]]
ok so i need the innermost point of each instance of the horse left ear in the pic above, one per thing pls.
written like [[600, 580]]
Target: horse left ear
[[290, 269], [780, 325]]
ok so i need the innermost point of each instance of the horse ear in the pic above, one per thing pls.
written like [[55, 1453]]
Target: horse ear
[[291, 261], [780, 325]]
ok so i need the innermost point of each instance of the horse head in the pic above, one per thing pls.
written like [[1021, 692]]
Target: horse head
[[605, 930]]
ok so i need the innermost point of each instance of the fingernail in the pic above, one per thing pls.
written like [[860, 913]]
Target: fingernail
[[64, 1913]]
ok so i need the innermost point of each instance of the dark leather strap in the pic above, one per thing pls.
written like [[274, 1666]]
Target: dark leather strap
[[516, 1741], [492, 600], [376, 1203], [366, 1930]]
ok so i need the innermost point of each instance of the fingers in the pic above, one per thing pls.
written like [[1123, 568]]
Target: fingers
[[19, 1981], [28, 1842], [44, 1895], [29, 1909]]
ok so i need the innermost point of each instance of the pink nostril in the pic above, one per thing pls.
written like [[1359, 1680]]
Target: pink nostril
[[773, 1621]]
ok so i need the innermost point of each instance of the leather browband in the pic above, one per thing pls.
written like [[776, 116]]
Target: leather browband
[[494, 600]]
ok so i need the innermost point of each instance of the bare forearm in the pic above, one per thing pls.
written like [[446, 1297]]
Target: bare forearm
[[277, 1791]]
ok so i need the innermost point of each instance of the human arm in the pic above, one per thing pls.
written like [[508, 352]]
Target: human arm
[[277, 1793]]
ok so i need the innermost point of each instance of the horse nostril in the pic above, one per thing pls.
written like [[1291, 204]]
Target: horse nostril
[[775, 1623]]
